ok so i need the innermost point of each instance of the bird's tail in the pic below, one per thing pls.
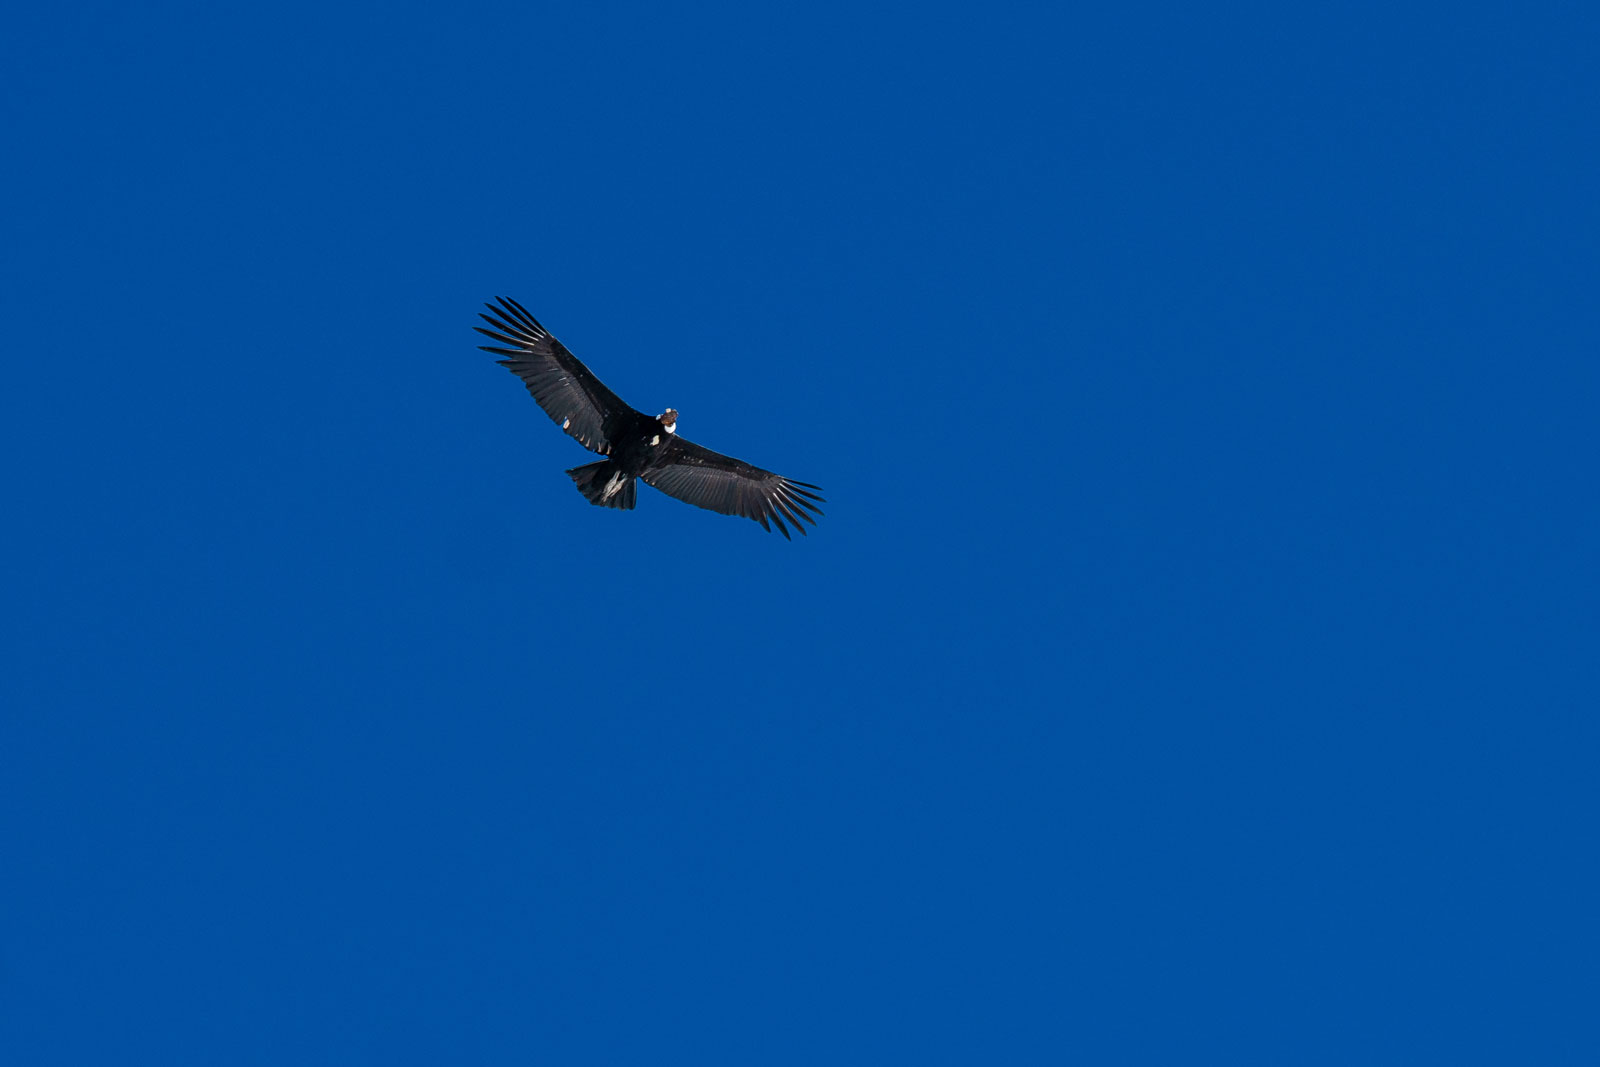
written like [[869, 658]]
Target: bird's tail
[[604, 485]]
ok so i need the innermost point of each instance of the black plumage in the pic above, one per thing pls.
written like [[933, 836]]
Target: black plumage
[[637, 446]]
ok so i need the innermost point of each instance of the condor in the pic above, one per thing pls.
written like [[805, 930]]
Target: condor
[[636, 445]]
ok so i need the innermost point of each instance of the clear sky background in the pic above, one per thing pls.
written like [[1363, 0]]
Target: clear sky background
[[1197, 662]]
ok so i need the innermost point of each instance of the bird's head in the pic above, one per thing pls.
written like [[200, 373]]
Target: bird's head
[[669, 420]]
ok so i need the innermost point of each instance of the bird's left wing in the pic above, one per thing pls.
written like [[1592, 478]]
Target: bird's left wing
[[566, 389], [707, 479]]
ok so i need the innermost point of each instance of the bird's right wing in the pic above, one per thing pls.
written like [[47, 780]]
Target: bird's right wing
[[566, 389]]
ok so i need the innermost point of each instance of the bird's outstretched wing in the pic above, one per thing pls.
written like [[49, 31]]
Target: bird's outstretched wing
[[566, 389], [707, 479]]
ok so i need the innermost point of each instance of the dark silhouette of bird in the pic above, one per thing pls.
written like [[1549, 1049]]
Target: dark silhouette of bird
[[636, 445]]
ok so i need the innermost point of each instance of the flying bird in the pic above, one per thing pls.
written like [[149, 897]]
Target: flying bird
[[636, 445]]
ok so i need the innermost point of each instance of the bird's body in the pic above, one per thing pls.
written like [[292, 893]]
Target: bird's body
[[636, 446]]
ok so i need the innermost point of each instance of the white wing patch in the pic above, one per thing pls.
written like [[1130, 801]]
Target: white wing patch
[[566, 422]]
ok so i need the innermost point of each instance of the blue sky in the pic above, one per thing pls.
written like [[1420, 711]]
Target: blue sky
[[1197, 662]]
